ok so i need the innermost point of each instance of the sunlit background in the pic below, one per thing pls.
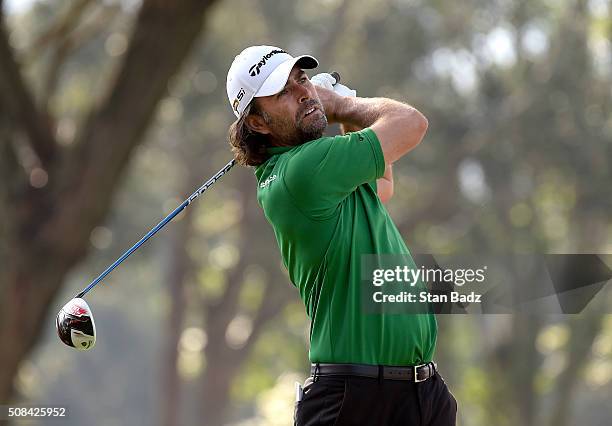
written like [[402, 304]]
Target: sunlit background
[[202, 326]]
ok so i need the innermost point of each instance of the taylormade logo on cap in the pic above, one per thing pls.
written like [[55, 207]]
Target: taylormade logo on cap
[[254, 70], [261, 71]]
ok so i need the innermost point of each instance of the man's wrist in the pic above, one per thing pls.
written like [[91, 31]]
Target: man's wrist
[[347, 127], [343, 106]]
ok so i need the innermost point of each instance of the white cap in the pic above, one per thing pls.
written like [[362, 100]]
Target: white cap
[[261, 71]]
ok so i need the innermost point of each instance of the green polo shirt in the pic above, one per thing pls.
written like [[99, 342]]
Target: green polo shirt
[[320, 198]]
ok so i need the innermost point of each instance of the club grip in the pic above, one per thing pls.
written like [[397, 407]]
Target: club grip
[[335, 75]]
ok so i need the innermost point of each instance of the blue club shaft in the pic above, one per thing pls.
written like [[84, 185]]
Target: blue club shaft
[[159, 226]]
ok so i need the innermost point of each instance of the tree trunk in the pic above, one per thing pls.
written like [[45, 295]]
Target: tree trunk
[[583, 331], [50, 225], [223, 362], [179, 269], [526, 362]]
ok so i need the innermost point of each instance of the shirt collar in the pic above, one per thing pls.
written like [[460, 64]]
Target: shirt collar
[[279, 149]]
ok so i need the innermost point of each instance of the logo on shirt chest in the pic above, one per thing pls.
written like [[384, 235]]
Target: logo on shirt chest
[[268, 181]]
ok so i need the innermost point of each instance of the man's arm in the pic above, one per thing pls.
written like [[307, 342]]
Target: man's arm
[[399, 127], [384, 185]]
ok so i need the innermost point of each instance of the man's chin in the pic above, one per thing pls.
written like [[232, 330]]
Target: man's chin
[[314, 130]]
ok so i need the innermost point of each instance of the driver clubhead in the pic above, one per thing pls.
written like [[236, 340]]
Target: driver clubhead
[[75, 325]]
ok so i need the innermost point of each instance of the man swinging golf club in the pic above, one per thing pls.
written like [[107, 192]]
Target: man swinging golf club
[[323, 196]]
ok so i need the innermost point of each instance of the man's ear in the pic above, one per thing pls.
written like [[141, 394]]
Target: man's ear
[[256, 123]]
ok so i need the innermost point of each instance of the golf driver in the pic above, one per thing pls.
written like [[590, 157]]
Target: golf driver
[[74, 322], [75, 325]]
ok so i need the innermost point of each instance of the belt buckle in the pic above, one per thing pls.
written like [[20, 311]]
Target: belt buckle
[[416, 374]]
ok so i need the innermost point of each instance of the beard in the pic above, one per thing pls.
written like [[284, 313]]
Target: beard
[[302, 128]]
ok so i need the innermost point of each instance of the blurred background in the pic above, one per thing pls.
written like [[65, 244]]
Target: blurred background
[[112, 112]]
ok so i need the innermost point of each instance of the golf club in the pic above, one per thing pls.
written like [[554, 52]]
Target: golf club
[[335, 75], [74, 322]]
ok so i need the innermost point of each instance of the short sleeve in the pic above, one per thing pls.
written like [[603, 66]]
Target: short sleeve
[[324, 172]]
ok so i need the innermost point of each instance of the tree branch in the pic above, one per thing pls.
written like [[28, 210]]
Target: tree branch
[[67, 45], [20, 105], [278, 294], [9, 164], [440, 206], [59, 30], [327, 47], [105, 143]]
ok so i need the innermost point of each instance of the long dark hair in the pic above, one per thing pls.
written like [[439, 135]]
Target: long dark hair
[[249, 147]]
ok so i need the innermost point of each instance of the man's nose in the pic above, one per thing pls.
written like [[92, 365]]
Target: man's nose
[[302, 94]]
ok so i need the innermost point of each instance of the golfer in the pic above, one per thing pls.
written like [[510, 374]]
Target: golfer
[[324, 198]]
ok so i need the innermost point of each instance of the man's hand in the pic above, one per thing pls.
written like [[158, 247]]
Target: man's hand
[[331, 101], [324, 80], [328, 81]]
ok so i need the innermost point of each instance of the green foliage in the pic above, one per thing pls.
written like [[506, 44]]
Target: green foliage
[[517, 158]]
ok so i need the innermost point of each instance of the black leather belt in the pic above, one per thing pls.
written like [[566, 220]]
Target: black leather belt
[[415, 373]]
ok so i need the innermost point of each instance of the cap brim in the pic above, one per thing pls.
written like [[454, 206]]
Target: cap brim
[[278, 78]]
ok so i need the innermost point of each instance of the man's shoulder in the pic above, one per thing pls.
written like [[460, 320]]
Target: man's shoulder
[[292, 162], [307, 152], [312, 144], [360, 135]]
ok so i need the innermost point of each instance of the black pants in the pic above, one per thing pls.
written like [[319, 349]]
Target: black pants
[[352, 400]]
